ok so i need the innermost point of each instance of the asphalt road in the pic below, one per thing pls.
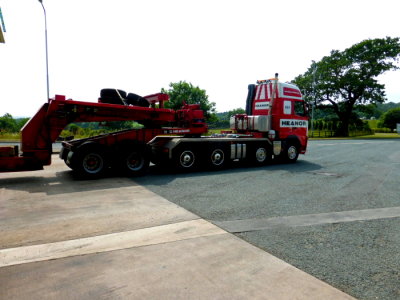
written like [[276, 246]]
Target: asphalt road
[[334, 214]]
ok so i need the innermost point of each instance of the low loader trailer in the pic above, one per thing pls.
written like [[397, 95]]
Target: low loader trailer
[[275, 126]]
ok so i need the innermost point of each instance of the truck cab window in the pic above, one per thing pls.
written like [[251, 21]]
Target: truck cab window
[[299, 108]]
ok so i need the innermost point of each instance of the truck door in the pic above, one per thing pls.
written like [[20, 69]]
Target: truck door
[[300, 113], [294, 118]]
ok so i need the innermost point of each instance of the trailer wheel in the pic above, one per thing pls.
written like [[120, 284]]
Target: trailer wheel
[[217, 159], [89, 162], [185, 159], [261, 155], [134, 163], [64, 153]]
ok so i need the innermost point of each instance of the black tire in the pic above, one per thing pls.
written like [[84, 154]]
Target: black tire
[[185, 158], [217, 158], [112, 96], [64, 156], [133, 162], [89, 161], [261, 155], [67, 163], [112, 93], [290, 153], [137, 100]]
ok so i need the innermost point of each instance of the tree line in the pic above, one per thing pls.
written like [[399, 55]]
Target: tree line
[[342, 88], [386, 114], [8, 124], [345, 79]]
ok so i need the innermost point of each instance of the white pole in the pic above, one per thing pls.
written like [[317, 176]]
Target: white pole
[[47, 52], [314, 102]]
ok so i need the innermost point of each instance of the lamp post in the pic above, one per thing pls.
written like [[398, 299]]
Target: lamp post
[[315, 100], [47, 53]]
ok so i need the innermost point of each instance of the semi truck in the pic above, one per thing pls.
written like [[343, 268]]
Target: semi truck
[[274, 127]]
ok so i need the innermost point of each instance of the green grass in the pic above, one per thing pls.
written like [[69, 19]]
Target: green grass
[[380, 136], [10, 137], [370, 136], [212, 131]]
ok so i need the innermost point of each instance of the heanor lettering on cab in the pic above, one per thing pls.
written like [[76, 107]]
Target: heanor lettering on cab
[[262, 105], [294, 123]]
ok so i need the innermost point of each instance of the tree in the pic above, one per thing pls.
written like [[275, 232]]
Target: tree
[[182, 91], [21, 122], [368, 111], [236, 111], [391, 118], [347, 78], [121, 125], [387, 106], [222, 119], [8, 124], [73, 128]]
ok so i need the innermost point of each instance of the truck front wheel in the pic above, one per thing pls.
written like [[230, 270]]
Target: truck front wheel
[[290, 153]]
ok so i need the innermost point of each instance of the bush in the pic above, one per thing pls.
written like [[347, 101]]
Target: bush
[[390, 118], [381, 130]]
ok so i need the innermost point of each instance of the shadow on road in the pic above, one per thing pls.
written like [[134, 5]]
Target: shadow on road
[[163, 176], [66, 182], [63, 182]]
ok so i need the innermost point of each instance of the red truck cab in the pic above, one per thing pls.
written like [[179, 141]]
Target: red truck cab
[[284, 105], [275, 111]]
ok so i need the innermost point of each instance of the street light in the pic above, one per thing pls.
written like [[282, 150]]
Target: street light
[[47, 53], [315, 100]]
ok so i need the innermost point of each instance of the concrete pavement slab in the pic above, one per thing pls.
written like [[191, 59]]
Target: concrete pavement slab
[[50, 206], [113, 239], [213, 267], [108, 242]]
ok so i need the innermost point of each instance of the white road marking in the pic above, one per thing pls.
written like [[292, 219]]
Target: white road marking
[[109, 242], [309, 220]]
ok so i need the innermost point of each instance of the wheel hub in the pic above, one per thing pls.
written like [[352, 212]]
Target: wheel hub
[[292, 152], [217, 157], [93, 163], [261, 154], [186, 159]]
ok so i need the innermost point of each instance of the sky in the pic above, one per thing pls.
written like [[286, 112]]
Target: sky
[[142, 46]]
